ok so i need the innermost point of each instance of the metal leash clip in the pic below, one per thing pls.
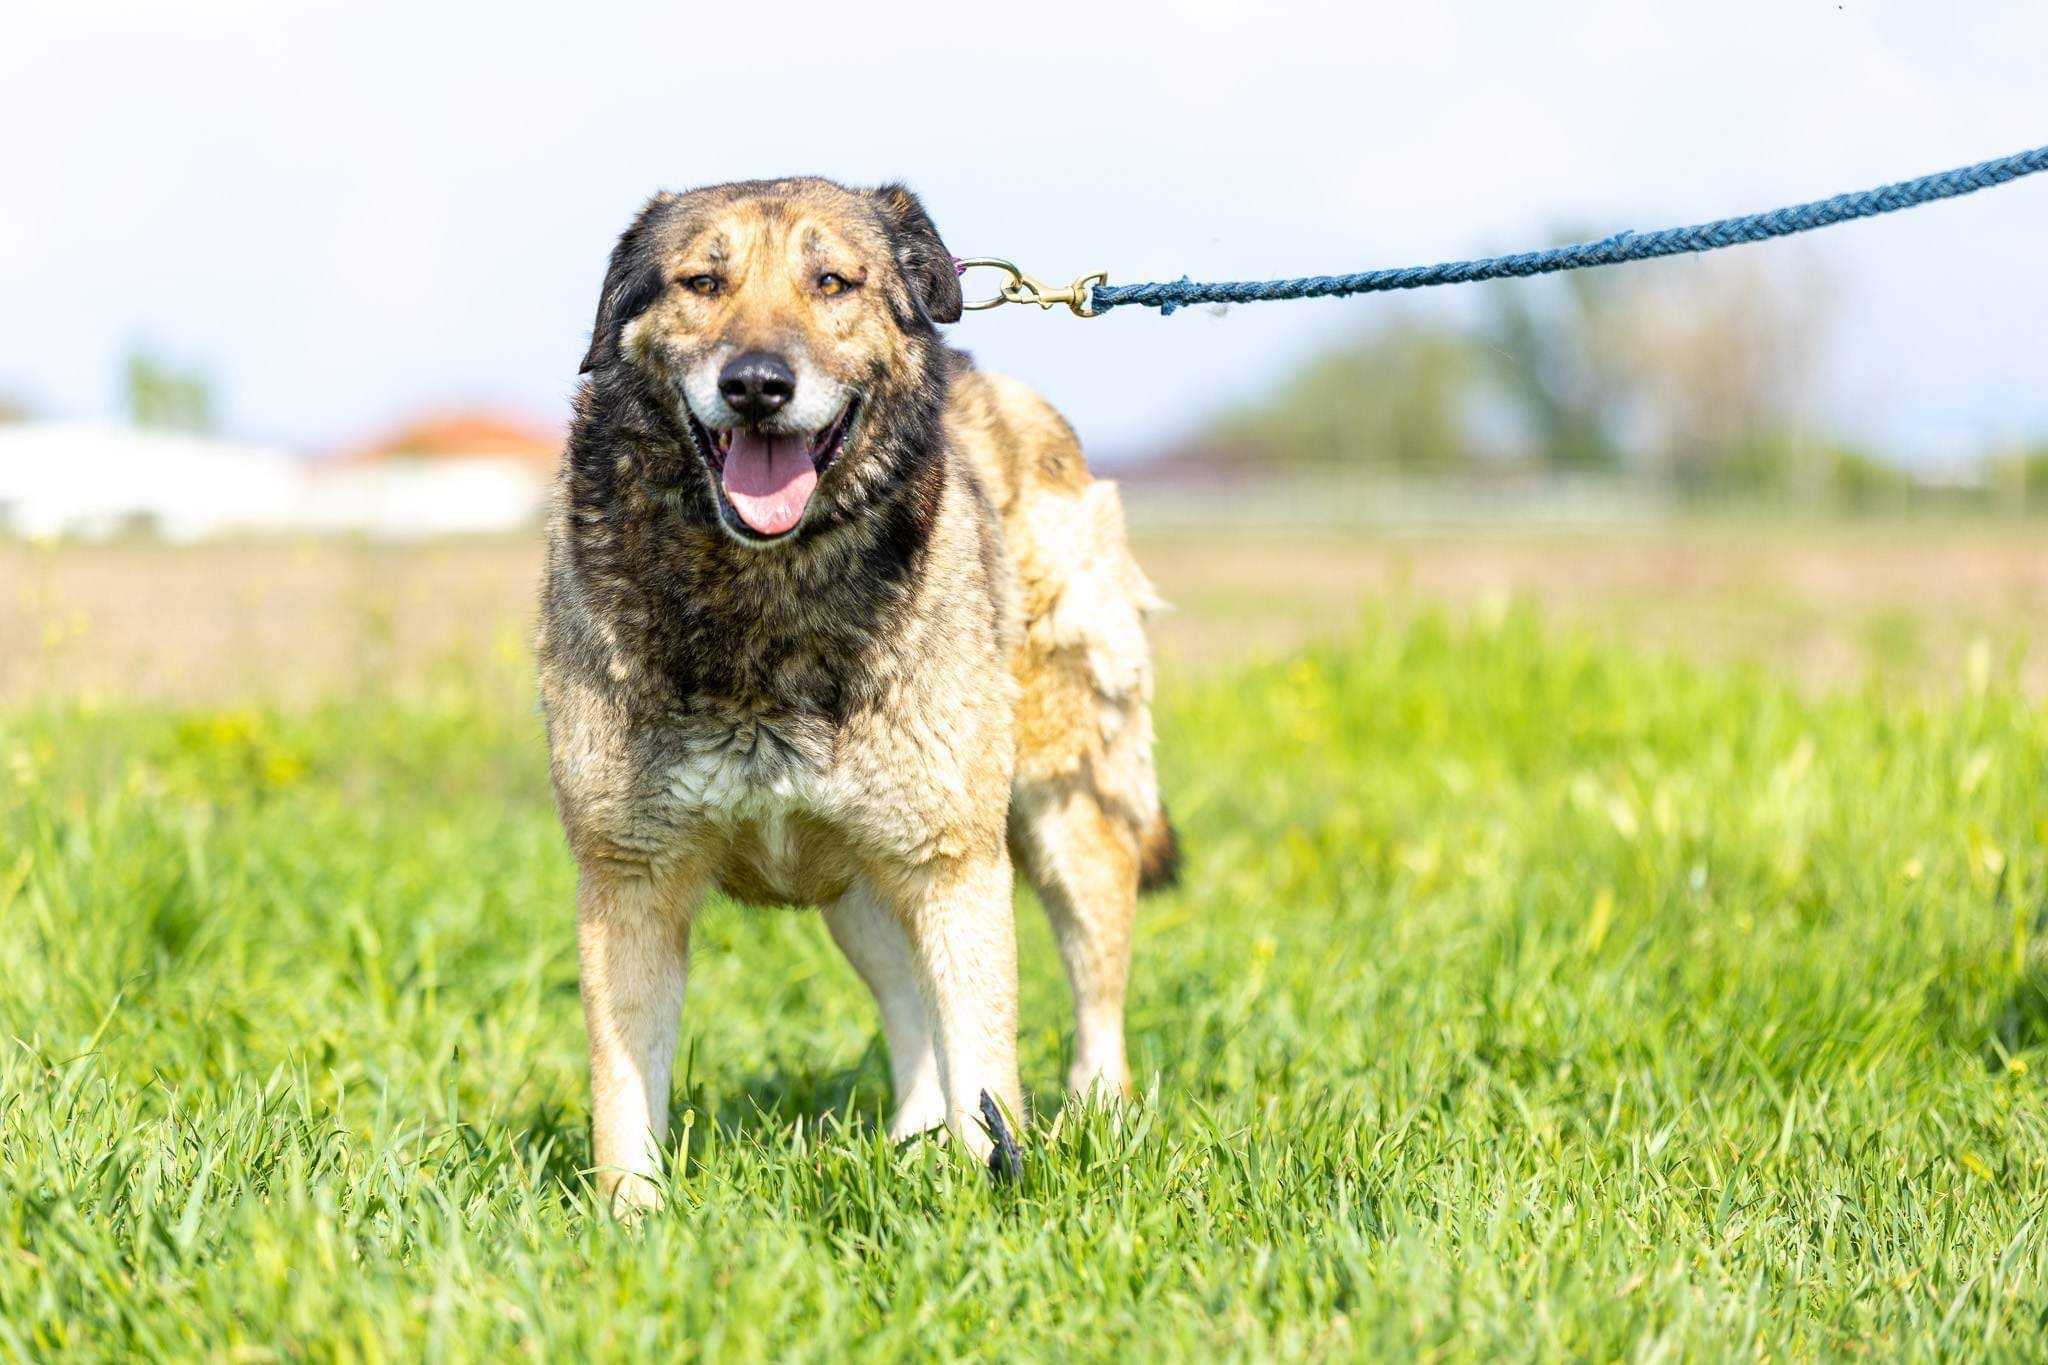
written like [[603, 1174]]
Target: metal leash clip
[[1023, 288]]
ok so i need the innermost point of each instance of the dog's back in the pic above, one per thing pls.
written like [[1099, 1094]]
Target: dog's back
[[1082, 665]]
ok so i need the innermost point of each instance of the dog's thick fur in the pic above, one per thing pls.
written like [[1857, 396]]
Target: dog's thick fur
[[941, 667]]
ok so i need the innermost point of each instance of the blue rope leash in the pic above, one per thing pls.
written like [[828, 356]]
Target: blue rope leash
[[1622, 246]]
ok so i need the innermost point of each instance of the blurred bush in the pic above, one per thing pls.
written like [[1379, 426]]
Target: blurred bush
[[1399, 398], [162, 396], [2019, 480]]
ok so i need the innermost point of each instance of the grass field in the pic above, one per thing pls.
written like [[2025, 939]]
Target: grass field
[[1527, 994]]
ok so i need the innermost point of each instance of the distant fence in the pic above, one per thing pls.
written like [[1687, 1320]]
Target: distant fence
[[1339, 502], [1312, 502]]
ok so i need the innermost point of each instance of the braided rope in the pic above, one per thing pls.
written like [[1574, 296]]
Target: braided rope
[[1166, 296]]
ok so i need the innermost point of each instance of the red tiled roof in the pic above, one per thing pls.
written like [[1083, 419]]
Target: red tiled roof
[[467, 434]]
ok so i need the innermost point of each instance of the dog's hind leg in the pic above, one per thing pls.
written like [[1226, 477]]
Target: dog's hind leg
[[1083, 863], [868, 932]]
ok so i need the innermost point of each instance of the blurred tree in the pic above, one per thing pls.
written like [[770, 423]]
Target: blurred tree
[[161, 396], [1550, 372], [1693, 373], [12, 409], [1692, 370], [1711, 361]]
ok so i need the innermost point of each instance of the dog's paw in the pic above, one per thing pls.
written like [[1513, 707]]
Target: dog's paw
[[918, 1115], [629, 1197], [1107, 1082]]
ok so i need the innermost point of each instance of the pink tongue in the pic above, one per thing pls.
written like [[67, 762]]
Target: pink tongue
[[769, 480]]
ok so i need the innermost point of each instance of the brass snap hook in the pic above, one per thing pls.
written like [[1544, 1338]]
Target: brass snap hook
[[1018, 287]]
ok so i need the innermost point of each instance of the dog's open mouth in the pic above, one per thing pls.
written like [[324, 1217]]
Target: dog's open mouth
[[768, 477]]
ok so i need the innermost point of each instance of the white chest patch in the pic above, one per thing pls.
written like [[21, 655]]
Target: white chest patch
[[753, 784], [732, 783]]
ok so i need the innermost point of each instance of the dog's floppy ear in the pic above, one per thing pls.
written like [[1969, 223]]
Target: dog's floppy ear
[[631, 282], [920, 255]]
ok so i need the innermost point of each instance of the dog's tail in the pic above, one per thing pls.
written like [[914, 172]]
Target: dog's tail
[[1158, 855]]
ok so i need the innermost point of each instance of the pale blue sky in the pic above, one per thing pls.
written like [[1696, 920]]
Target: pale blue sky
[[345, 212]]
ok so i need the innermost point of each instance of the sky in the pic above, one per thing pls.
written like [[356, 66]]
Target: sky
[[347, 213]]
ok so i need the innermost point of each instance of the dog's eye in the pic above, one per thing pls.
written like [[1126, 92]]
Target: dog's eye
[[830, 284], [707, 285]]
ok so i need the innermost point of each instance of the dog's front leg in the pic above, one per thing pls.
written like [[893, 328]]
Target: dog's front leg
[[632, 939], [963, 937]]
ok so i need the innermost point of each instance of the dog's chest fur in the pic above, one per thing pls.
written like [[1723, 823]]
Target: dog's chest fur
[[783, 732], [769, 807], [790, 808]]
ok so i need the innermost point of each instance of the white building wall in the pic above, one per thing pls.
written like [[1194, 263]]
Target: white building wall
[[95, 480]]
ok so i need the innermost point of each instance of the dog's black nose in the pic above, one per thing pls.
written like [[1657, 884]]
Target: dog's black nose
[[756, 384]]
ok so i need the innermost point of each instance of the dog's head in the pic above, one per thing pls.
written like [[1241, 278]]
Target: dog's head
[[788, 327]]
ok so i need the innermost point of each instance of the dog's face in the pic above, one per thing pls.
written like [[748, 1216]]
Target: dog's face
[[780, 322]]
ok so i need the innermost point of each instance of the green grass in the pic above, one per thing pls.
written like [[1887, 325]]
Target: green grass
[[1523, 997]]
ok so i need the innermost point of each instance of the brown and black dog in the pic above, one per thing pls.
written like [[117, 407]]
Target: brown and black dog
[[833, 619]]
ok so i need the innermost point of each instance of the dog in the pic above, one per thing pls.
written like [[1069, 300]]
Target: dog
[[832, 618]]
